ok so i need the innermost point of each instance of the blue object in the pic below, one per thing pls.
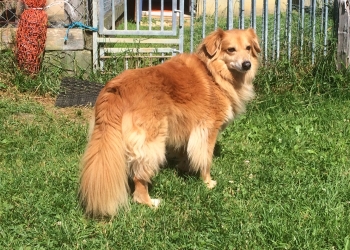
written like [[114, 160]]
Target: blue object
[[78, 25]]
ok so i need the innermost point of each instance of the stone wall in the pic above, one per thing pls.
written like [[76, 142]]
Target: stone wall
[[73, 56]]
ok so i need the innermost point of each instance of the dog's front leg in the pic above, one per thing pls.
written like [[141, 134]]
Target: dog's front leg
[[205, 174]]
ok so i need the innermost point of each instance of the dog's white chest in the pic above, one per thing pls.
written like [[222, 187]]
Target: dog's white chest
[[228, 117], [229, 114]]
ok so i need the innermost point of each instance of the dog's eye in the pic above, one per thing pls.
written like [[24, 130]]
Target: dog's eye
[[248, 48], [231, 50]]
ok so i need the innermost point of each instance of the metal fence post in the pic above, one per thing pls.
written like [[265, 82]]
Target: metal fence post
[[265, 29], [289, 29], [253, 15], [241, 14], [343, 34], [192, 25], [95, 63], [204, 15], [313, 24], [325, 26], [229, 14]]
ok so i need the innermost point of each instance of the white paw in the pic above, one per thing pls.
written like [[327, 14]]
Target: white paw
[[155, 202], [211, 184]]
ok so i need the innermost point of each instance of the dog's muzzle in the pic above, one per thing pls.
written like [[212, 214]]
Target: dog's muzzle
[[246, 65]]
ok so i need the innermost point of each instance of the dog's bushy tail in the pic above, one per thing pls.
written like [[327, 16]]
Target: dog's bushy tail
[[104, 180]]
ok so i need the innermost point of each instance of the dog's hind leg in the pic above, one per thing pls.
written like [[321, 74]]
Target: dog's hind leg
[[147, 160], [200, 149], [145, 147], [141, 194]]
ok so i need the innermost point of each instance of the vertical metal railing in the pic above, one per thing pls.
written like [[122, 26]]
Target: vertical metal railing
[[289, 29], [162, 15], [113, 15], [241, 14], [265, 29], [325, 26], [95, 63], [204, 17], [181, 26], [313, 34], [276, 31], [125, 16], [192, 12], [253, 14], [216, 15], [302, 25], [149, 14], [137, 14], [229, 23]]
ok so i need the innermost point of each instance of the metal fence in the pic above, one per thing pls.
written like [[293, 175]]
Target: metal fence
[[149, 31], [287, 29]]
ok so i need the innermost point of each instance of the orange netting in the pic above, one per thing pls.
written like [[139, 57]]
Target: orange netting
[[31, 36]]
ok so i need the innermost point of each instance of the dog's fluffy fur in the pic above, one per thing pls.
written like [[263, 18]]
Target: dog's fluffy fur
[[181, 104]]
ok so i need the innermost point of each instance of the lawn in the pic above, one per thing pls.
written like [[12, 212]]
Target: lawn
[[283, 172], [283, 169]]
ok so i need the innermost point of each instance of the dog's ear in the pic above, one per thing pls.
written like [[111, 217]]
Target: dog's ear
[[254, 42], [212, 42]]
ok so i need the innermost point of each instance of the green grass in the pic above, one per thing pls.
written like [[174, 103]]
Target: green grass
[[282, 170]]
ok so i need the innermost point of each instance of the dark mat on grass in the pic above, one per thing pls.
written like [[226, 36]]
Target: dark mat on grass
[[76, 92]]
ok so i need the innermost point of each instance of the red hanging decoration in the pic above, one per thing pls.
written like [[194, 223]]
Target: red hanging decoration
[[31, 36]]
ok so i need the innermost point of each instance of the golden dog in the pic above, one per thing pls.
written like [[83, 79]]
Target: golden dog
[[181, 104]]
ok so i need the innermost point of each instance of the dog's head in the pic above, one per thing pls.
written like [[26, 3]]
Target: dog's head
[[236, 48]]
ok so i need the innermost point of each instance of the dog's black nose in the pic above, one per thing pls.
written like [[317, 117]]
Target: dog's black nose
[[246, 65]]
